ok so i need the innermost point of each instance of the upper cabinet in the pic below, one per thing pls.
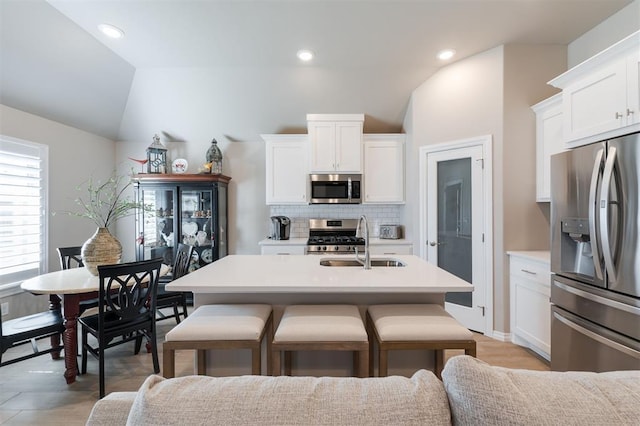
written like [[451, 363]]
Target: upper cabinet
[[286, 169], [601, 96], [548, 142], [335, 142], [384, 168]]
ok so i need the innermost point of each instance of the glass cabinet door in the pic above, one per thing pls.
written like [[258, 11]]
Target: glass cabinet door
[[157, 228], [222, 222], [196, 224]]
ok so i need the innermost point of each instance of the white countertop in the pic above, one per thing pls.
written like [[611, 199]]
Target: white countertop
[[537, 255], [303, 242], [304, 274]]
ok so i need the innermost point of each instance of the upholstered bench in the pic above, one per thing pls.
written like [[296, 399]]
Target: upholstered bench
[[321, 328], [221, 327], [410, 327]]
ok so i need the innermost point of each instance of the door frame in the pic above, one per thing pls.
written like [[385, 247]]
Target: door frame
[[486, 143]]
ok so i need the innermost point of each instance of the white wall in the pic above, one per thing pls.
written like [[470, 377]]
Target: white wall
[[460, 101], [489, 93], [608, 32], [74, 156]]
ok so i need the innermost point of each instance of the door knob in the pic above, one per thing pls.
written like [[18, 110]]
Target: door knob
[[433, 243]]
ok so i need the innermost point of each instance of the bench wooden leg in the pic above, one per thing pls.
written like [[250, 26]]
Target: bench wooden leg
[[363, 363], [269, 339], [168, 362], [439, 362], [287, 363], [382, 362], [470, 351], [276, 359], [201, 361], [256, 361]]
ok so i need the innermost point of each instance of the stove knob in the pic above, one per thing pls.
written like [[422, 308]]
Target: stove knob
[[324, 248], [335, 248]]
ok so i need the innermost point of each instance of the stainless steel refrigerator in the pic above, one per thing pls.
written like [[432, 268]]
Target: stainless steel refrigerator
[[595, 256]]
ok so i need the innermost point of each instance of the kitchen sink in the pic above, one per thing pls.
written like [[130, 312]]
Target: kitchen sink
[[389, 263]]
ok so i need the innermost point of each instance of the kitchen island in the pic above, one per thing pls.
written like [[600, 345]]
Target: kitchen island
[[286, 280]]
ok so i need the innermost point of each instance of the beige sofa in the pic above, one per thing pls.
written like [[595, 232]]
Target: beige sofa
[[471, 393]]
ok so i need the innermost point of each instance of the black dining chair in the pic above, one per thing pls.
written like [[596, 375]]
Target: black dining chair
[[29, 329], [70, 257], [126, 311], [175, 299]]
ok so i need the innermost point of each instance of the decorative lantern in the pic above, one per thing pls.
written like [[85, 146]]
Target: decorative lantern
[[214, 157], [156, 157]]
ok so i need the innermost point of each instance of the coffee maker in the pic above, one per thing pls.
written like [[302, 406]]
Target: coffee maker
[[280, 227]]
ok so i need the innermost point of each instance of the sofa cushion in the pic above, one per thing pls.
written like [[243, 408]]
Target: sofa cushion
[[112, 410], [245, 400], [481, 394]]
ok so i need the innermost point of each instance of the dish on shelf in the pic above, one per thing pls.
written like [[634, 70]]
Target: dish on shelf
[[190, 228], [195, 262], [179, 166], [206, 255]]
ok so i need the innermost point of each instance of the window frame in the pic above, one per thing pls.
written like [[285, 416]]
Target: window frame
[[13, 288]]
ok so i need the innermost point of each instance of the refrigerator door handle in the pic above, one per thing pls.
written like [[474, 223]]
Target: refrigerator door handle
[[603, 204], [593, 188]]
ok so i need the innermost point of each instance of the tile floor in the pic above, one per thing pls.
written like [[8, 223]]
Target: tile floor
[[34, 391]]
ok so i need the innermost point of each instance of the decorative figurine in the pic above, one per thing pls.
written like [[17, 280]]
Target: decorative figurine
[[142, 162], [156, 156], [214, 157]]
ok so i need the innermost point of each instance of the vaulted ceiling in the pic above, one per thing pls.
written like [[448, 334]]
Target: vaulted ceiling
[[370, 55]]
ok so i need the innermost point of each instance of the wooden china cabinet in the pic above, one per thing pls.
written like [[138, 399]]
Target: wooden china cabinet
[[182, 208]]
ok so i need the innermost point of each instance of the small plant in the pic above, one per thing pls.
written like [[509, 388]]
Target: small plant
[[105, 202]]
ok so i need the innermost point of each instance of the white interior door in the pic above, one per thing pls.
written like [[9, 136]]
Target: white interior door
[[454, 210]]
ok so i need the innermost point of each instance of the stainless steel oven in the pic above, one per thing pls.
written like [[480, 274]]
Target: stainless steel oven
[[333, 236], [335, 189]]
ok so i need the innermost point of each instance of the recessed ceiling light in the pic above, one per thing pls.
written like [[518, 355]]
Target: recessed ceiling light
[[111, 31], [446, 54], [305, 55]]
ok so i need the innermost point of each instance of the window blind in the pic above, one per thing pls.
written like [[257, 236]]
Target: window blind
[[22, 210]]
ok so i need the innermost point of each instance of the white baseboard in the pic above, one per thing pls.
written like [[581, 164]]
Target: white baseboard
[[499, 335]]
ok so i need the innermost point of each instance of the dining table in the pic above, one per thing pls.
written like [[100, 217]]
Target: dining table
[[66, 288]]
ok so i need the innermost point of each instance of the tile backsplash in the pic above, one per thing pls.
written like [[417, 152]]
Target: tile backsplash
[[300, 214]]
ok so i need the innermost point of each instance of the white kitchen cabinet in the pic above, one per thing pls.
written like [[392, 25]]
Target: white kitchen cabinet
[[529, 276], [286, 169], [548, 142], [383, 169], [335, 143], [601, 96]]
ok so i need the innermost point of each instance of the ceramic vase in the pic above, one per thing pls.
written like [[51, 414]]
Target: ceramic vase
[[101, 249]]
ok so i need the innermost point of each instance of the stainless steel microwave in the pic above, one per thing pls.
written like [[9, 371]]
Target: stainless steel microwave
[[335, 189]]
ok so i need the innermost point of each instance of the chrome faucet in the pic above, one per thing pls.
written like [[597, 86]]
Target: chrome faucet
[[366, 262]]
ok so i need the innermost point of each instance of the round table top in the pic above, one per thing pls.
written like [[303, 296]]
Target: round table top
[[68, 281]]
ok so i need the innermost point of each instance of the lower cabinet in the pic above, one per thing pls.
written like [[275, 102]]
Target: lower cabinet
[[529, 276]]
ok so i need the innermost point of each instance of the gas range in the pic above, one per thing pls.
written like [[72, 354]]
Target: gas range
[[334, 236]]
